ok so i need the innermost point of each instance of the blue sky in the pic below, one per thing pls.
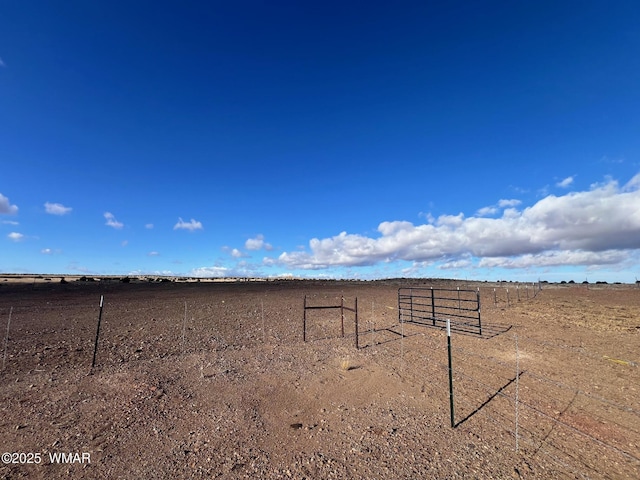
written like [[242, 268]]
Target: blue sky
[[480, 140]]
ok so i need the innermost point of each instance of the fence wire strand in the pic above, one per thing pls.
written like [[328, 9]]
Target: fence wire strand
[[475, 396]]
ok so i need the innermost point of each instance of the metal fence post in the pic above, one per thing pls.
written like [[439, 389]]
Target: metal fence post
[[453, 422], [433, 307], [517, 387], [479, 314], [95, 347], [342, 315], [411, 302], [357, 344]]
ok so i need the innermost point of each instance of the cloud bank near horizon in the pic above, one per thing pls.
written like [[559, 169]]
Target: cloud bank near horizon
[[594, 227]]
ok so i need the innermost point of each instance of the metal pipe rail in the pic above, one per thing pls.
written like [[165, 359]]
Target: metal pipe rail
[[432, 306], [342, 308]]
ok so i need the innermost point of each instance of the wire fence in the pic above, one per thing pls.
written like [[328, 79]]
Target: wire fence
[[542, 397], [41, 336], [585, 435], [576, 407], [551, 415]]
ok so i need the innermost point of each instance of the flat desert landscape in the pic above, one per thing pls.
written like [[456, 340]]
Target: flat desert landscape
[[213, 380]]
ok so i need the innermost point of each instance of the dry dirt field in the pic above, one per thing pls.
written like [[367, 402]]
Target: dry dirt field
[[213, 380]]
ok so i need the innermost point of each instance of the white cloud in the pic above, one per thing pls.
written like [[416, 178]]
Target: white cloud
[[484, 211], [504, 203], [149, 226], [49, 251], [556, 258], [15, 236], [10, 222], [210, 272], [604, 218], [125, 243], [606, 159], [153, 254], [456, 264], [56, 208], [111, 221], [159, 273], [6, 207], [566, 182], [633, 184], [235, 253], [288, 275], [491, 210], [241, 269], [257, 243], [450, 220], [191, 226]]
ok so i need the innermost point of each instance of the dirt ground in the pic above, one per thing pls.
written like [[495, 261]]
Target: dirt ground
[[213, 380]]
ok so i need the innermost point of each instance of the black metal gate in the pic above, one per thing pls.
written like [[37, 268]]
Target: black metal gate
[[433, 306]]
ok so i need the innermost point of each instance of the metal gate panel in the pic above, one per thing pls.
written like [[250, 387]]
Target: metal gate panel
[[433, 306]]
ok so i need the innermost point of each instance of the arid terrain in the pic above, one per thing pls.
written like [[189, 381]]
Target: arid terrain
[[214, 380]]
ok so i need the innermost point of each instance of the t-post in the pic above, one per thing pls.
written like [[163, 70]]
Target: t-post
[[453, 422], [95, 347]]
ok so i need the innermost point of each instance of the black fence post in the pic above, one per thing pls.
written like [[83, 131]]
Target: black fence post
[[433, 307], [95, 347], [304, 321], [479, 314], [342, 315], [411, 302], [453, 422]]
